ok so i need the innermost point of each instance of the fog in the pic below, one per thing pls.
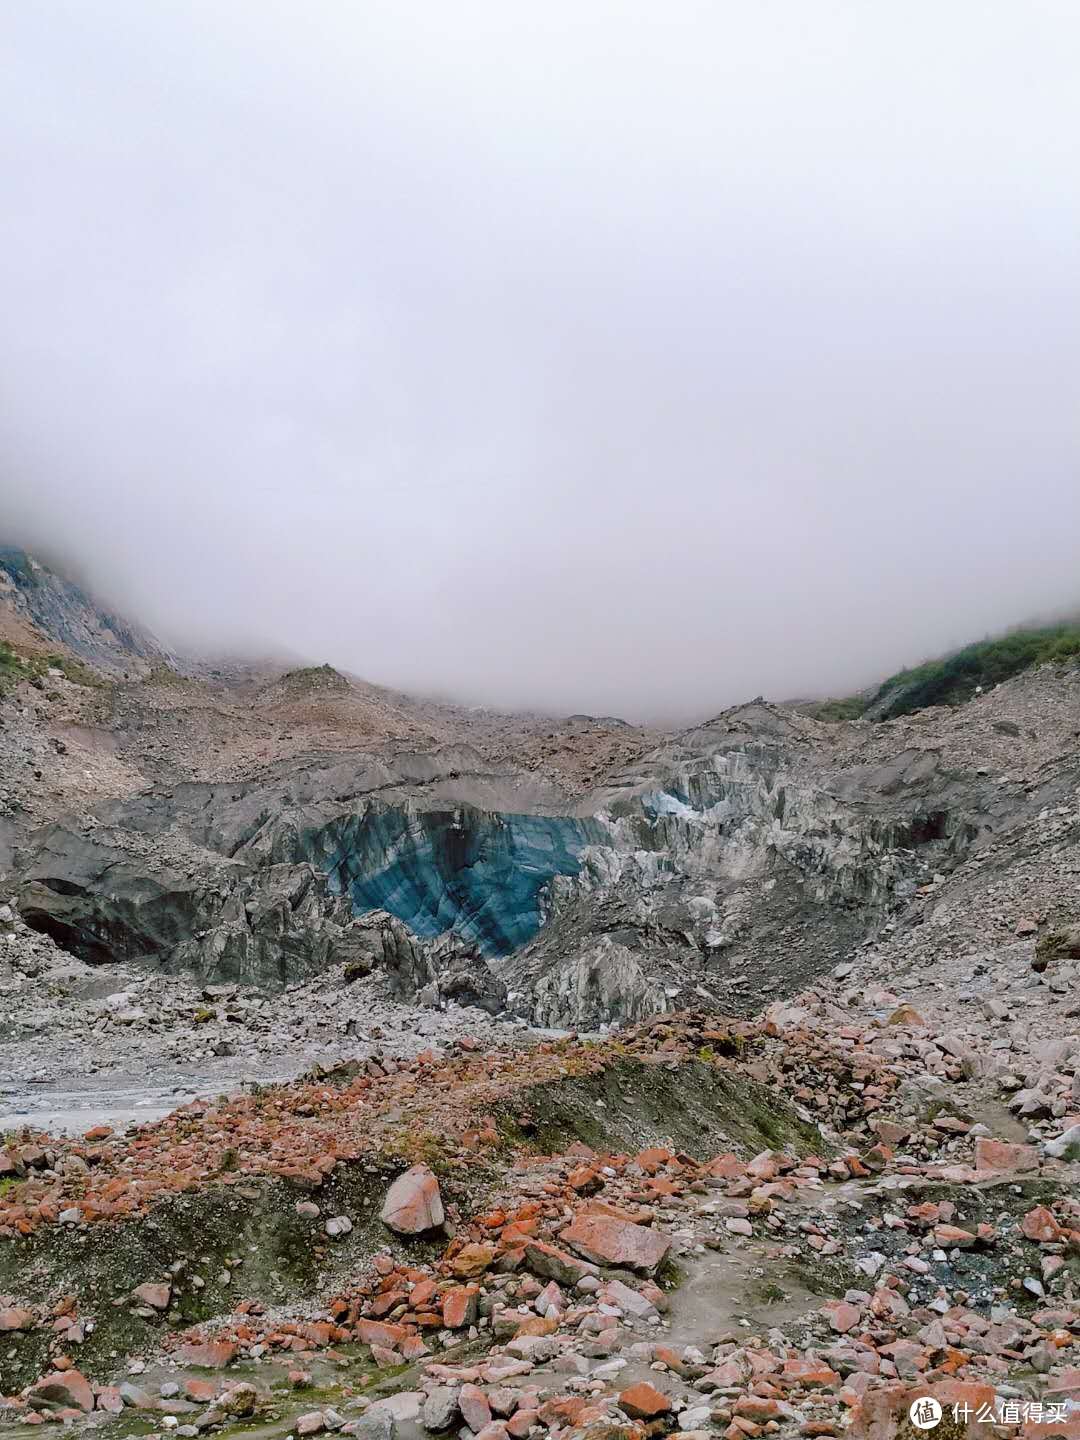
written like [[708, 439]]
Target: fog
[[593, 355]]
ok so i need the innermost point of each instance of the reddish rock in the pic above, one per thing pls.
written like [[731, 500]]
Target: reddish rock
[[810, 1374], [413, 1203], [643, 1402], [98, 1132], [617, 1242], [908, 1016], [201, 1391], [422, 1294], [890, 1131], [951, 1237], [213, 1355], [459, 1307], [725, 1167], [878, 1414], [1004, 1157], [374, 1332], [1039, 1224], [521, 1422], [555, 1264], [472, 1260], [68, 1389], [474, 1407], [15, 1319], [654, 1159], [671, 1358], [496, 1430], [413, 1348], [757, 1407], [156, 1296], [842, 1316], [730, 1373]]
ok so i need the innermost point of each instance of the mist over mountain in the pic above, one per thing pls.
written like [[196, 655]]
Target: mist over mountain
[[614, 364]]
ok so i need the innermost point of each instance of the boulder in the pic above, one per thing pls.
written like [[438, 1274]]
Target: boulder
[[644, 1402], [440, 1408], [63, 1390], [1003, 1157], [213, 1355], [607, 1240], [413, 1203]]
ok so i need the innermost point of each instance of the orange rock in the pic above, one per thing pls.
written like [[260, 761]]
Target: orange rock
[[422, 1293], [537, 1325], [472, 1260], [878, 1414], [1004, 1157], [68, 1388], [952, 1237], [808, 1375], [1039, 1224], [584, 1178], [616, 1242], [214, 1355], [376, 1332], [521, 1422], [459, 1307], [643, 1402], [757, 1407], [725, 1167], [671, 1358], [652, 1160]]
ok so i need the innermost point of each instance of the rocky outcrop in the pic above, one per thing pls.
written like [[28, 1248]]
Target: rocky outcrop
[[64, 613]]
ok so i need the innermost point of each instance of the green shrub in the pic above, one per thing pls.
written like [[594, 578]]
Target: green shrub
[[955, 678]]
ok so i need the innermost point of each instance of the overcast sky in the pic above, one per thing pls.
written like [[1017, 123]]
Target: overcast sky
[[591, 354]]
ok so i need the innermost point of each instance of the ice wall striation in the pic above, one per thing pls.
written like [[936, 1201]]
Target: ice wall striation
[[476, 873]]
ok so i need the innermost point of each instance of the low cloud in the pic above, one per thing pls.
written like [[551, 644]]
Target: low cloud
[[584, 359]]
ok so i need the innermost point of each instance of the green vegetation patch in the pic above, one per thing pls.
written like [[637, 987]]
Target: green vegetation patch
[[15, 666], [957, 677]]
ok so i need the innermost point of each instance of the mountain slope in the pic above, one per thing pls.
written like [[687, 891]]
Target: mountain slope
[[53, 610]]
